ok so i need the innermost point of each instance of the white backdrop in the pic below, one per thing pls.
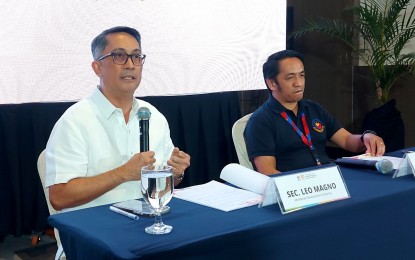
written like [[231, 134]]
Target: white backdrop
[[192, 46]]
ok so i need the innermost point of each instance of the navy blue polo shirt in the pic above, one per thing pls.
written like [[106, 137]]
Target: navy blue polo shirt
[[267, 133]]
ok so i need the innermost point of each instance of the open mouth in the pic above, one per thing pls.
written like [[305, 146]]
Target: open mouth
[[128, 77]]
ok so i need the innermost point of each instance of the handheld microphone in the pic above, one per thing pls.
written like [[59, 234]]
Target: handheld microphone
[[144, 116], [383, 166]]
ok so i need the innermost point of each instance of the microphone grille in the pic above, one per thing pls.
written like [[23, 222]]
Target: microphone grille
[[143, 113], [384, 166]]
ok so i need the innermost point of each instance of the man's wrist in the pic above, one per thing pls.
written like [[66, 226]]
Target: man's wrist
[[366, 132], [181, 176]]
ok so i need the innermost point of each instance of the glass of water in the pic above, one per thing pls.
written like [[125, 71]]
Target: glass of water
[[157, 189]]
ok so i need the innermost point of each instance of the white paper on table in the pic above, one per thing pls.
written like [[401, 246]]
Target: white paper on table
[[218, 195], [367, 157], [244, 178]]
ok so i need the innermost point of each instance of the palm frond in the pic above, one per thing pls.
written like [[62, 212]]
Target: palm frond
[[397, 23], [403, 39], [333, 28], [408, 60], [370, 23], [395, 9]]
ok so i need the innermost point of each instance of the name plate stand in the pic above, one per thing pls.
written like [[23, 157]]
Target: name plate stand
[[407, 165], [269, 196], [305, 189]]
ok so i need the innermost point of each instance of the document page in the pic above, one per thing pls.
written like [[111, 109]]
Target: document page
[[218, 195], [367, 157], [244, 178]]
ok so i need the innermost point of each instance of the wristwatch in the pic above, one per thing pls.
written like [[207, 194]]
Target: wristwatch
[[367, 132]]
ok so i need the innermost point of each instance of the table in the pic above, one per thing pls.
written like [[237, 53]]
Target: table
[[375, 223]]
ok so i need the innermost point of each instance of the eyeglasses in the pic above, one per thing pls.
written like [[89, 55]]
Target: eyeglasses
[[121, 58]]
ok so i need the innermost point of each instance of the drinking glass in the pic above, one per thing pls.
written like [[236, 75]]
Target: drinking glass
[[157, 189]]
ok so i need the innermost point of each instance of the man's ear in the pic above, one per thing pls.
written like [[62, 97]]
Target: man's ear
[[96, 66], [271, 84]]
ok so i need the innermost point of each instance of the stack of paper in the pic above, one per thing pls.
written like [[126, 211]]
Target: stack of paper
[[219, 196]]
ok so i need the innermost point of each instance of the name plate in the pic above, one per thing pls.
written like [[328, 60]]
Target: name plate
[[411, 161], [311, 188], [407, 165]]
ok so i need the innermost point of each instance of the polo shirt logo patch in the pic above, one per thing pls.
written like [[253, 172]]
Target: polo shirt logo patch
[[318, 126]]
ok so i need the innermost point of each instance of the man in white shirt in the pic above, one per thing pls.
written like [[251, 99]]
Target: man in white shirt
[[93, 154]]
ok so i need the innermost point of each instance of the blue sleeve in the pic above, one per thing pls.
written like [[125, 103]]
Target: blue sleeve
[[260, 137]]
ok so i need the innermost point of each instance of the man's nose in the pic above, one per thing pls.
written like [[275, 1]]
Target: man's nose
[[299, 81], [129, 64]]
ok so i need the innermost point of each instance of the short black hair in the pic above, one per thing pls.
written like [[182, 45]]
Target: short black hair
[[271, 67], [100, 42]]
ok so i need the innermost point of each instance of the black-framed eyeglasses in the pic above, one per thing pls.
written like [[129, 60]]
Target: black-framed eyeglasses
[[121, 57]]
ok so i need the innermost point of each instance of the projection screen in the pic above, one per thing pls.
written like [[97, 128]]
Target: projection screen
[[192, 46]]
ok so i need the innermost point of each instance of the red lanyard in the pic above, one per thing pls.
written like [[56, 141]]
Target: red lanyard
[[305, 138]]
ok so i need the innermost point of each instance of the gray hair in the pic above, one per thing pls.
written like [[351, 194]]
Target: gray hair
[[100, 42]]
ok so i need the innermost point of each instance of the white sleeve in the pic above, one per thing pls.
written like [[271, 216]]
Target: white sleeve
[[66, 156]]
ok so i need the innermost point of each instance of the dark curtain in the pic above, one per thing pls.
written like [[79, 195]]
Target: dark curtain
[[200, 125]]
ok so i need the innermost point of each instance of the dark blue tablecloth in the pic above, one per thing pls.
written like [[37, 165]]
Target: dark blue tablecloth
[[375, 223]]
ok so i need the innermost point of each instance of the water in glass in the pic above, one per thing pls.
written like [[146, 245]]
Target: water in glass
[[157, 189]]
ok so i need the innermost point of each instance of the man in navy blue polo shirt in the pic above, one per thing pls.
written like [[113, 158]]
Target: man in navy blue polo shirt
[[288, 132]]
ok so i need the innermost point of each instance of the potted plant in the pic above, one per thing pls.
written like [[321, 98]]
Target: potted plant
[[378, 36]]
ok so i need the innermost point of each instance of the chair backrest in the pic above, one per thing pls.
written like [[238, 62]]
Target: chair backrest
[[239, 141], [41, 168]]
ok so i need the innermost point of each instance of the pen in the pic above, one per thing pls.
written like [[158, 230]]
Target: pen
[[125, 213]]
